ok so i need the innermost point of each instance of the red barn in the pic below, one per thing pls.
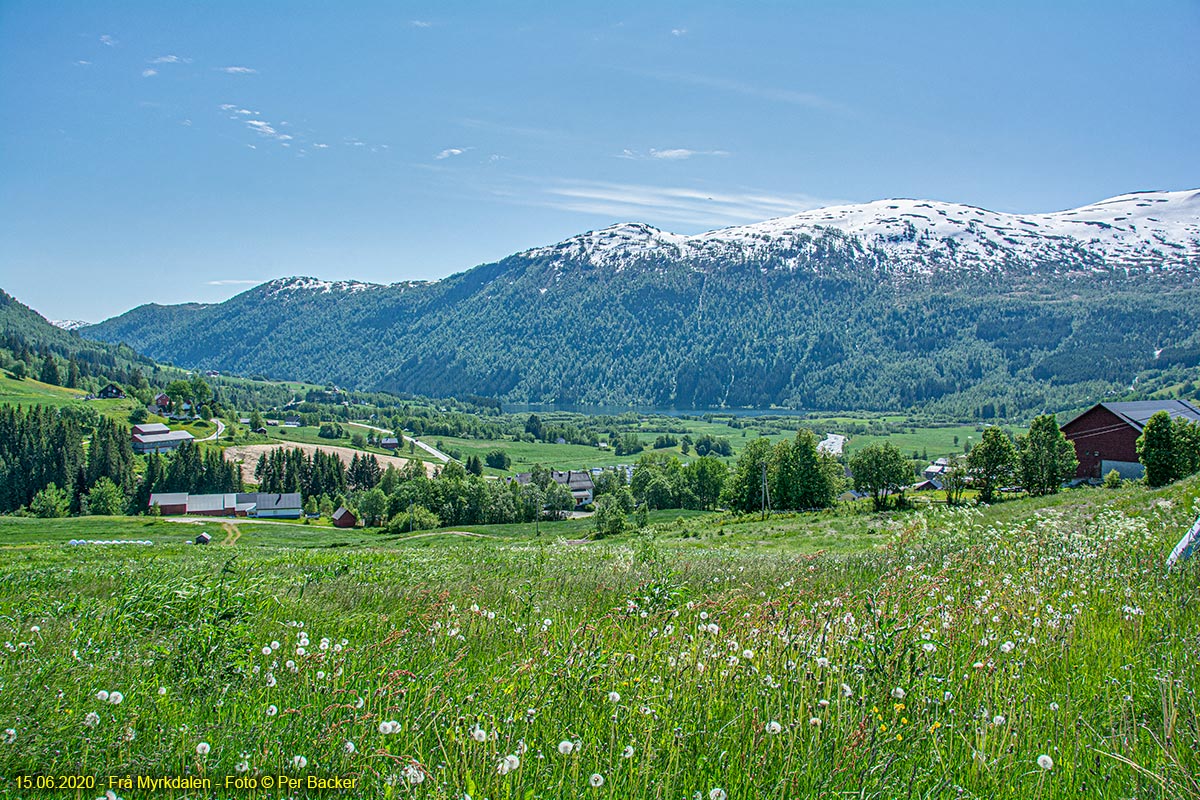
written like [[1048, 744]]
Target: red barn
[[1105, 436], [344, 518]]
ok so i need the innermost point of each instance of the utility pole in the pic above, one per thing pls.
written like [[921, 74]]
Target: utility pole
[[764, 490], [537, 520]]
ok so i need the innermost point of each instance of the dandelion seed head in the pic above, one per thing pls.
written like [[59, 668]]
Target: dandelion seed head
[[565, 747], [774, 727], [1045, 762], [596, 781], [203, 749], [299, 762]]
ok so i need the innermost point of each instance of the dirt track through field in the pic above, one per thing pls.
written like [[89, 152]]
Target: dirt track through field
[[248, 455]]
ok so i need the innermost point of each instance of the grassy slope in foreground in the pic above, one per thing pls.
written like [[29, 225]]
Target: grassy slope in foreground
[[943, 664]]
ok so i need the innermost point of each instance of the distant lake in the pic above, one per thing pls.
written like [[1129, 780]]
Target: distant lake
[[540, 408]]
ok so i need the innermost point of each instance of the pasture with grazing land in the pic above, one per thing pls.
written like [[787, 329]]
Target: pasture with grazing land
[[1035, 649]]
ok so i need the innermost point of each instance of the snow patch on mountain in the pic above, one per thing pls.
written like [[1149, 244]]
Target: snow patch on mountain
[[316, 285], [1136, 232], [69, 324]]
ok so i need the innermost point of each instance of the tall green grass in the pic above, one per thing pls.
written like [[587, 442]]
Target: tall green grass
[[942, 665]]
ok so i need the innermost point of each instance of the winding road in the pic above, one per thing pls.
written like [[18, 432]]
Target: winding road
[[433, 451], [215, 436]]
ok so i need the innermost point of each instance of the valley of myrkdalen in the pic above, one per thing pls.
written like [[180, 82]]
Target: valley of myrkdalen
[[705, 402]]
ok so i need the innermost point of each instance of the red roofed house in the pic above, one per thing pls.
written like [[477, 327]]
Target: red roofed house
[[1105, 436]]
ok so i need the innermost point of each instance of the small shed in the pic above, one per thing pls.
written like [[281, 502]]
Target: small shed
[[344, 518], [203, 538], [389, 443]]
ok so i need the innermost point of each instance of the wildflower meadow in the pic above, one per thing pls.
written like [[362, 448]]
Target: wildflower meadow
[[1036, 649]]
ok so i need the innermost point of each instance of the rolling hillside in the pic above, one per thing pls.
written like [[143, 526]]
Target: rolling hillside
[[885, 305]]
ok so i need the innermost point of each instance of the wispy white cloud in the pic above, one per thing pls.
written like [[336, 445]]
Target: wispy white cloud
[[231, 108], [264, 128], [149, 73], [108, 40], [170, 60], [235, 282], [237, 70], [670, 154], [678, 31], [82, 63], [320, 145], [420, 23], [700, 208], [769, 93], [450, 152]]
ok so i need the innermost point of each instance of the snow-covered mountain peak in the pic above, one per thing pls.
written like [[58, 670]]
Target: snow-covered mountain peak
[[620, 242], [295, 284], [69, 324], [1140, 231]]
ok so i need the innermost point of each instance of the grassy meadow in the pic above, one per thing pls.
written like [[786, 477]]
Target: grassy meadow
[[1034, 649]]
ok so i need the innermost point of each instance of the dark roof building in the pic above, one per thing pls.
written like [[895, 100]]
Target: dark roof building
[[1105, 436], [286, 506], [112, 392], [170, 503], [344, 518], [230, 504], [159, 442], [389, 443], [578, 483]]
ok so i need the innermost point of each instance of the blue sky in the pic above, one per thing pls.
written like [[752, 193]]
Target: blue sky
[[167, 152]]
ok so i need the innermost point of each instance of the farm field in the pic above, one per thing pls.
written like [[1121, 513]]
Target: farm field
[[1034, 649], [29, 392], [248, 454], [575, 456]]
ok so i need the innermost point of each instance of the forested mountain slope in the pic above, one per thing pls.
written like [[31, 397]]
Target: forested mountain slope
[[884, 305]]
